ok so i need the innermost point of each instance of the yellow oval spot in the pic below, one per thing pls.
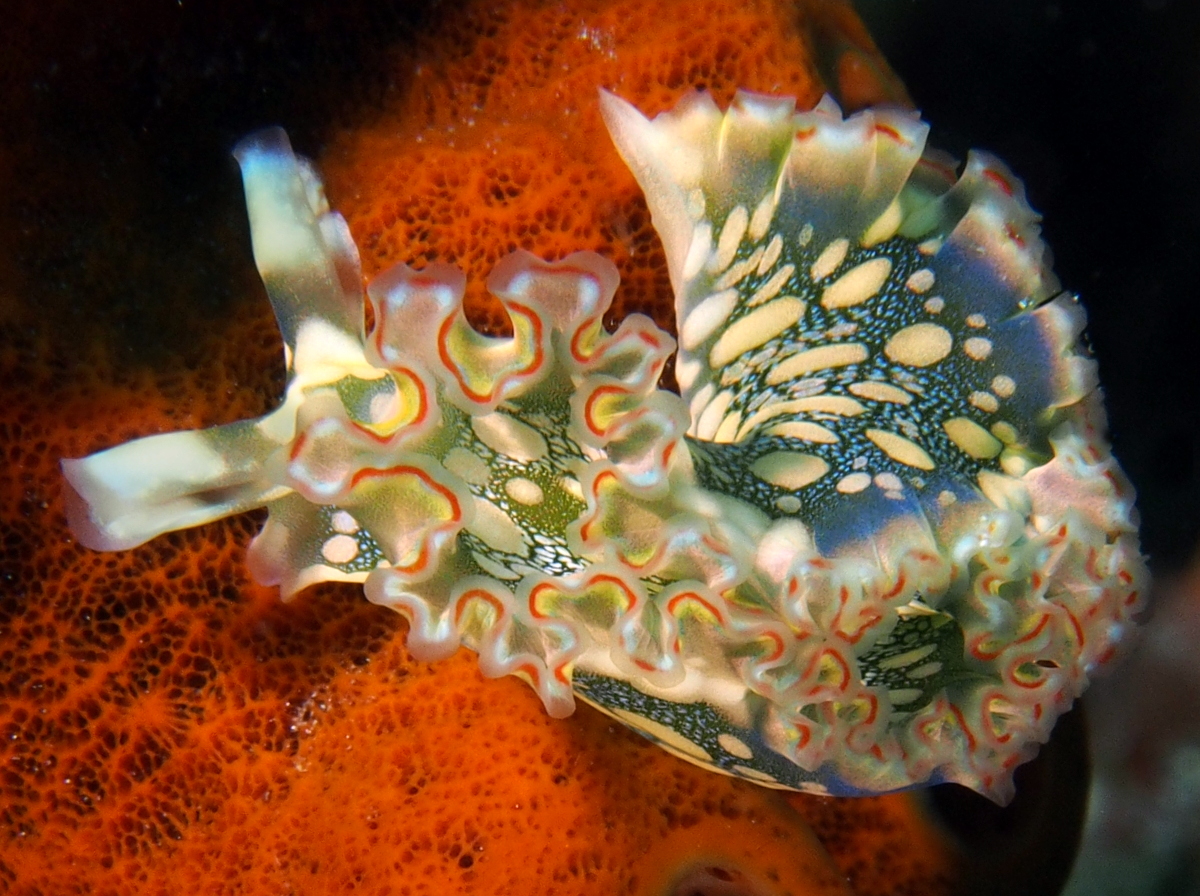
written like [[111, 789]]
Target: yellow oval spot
[[763, 213], [1005, 432], [854, 483], [1015, 464], [908, 658], [985, 401], [710, 418], [730, 238], [727, 431], [827, 404], [738, 271], [875, 391], [1004, 386], [524, 491], [698, 251], [788, 503], [919, 345], [978, 348], [789, 469], [802, 429], [817, 359], [772, 287], [771, 255], [839, 405], [830, 259], [885, 225], [900, 449], [972, 439], [889, 482], [734, 745], [858, 284], [920, 281], [1004, 491], [701, 399], [755, 329]]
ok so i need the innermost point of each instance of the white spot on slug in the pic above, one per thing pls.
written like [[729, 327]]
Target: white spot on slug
[[469, 467], [339, 549], [858, 284], [495, 529], [730, 238], [919, 345], [507, 435], [771, 255], [875, 391], [817, 359], [985, 401], [755, 329], [524, 491], [698, 250], [1004, 386], [704, 319], [789, 469], [854, 483], [830, 259], [900, 449], [889, 482], [734, 745], [669, 737], [772, 287], [803, 430], [920, 281], [978, 348], [343, 522], [761, 219]]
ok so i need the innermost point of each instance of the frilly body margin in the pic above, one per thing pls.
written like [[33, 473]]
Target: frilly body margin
[[538, 498]]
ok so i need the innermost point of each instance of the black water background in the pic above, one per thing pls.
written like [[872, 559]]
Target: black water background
[[1095, 104]]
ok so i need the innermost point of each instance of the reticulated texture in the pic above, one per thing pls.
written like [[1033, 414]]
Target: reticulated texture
[[171, 727]]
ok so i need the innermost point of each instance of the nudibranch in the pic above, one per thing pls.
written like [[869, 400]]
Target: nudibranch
[[876, 539]]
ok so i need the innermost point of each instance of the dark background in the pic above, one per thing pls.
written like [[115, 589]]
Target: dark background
[[1095, 104], [117, 122]]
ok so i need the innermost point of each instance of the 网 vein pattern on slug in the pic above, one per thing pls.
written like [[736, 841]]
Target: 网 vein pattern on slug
[[876, 540]]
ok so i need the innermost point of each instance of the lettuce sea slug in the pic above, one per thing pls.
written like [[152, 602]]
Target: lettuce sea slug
[[874, 540]]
